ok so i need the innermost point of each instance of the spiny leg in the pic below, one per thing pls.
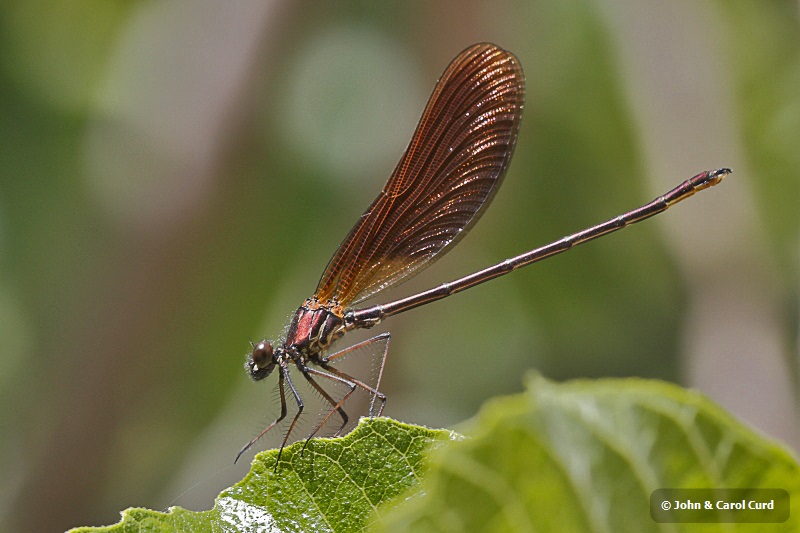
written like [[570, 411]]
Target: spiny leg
[[337, 407], [281, 417], [348, 378], [345, 351], [383, 337], [300, 406]]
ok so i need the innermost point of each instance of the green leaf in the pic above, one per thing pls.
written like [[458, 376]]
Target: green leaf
[[334, 485], [578, 456], [586, 455]]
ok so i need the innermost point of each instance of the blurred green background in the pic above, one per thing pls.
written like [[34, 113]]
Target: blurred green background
[[174, 176]]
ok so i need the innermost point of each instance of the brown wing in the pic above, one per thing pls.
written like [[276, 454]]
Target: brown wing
[[448, 174]]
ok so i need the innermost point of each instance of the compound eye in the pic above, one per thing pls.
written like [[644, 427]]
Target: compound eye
[[262, 354]]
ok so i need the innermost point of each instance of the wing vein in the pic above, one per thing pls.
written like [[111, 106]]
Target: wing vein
[[447, 176]]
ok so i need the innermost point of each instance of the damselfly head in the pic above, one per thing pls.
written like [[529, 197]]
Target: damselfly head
[[261, 361]]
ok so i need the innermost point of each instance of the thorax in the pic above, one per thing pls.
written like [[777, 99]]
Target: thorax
[[314, 327]]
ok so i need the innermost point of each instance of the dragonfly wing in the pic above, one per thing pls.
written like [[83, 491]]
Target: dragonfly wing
[[447, 176]]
